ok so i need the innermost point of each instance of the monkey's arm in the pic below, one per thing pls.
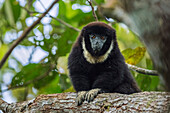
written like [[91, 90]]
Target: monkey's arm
[[80, 82], [81, 85], [78, 76]]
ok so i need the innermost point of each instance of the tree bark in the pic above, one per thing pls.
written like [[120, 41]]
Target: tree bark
[[106, 102], [150, 20]]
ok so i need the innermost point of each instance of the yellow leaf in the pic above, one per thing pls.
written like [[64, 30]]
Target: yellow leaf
[[62, 65], [3, 50], [134, 56]]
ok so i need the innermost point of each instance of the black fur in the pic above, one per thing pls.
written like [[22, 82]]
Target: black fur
[[110, 76]]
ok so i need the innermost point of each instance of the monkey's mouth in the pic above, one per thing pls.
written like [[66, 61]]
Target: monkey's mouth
[[96, 51]]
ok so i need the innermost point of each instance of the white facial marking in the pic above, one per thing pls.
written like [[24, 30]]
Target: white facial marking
[[94, 60]]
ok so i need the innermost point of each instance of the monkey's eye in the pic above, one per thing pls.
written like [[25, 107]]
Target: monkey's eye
[[102, 37]]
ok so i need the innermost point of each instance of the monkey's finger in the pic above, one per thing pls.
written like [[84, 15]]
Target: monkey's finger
[[80, 97], [79, 101], [92, 94]]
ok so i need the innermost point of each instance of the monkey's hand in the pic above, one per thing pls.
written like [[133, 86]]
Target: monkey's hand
[[90, 95], [80, 97]]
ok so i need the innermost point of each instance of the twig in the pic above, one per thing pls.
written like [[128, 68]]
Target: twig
[[66, 24], [28, 11], [24, 34], [142, 71], [33, 51], [94, 14], [42, 4]]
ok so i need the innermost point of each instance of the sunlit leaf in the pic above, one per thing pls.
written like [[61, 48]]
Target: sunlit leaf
[[125, 37], [3, 50], [134, 56], [19, 93], [71, 89], [62, 65]]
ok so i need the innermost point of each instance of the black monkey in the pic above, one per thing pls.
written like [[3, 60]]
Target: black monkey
[[96, 64]]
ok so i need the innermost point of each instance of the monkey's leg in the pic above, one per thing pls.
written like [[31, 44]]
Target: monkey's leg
[[80, 97]]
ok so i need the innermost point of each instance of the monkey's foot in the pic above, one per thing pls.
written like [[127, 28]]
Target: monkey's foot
[[80, 97], [90, 95]]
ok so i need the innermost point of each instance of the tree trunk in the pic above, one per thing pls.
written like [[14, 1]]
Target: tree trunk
[[150, 20], [107, 102]]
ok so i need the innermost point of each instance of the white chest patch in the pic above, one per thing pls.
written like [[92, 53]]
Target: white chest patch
[[93, 60]]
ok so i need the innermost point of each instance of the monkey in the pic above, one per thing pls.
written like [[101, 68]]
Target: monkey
[[96, 64]]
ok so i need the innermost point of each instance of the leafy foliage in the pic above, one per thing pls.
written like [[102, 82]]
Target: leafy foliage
[[50, 74]]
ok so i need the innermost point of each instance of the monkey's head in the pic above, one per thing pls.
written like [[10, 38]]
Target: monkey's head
[[98, 38]]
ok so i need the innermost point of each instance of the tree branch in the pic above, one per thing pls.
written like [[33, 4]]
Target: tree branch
[[142, 71], [107, 102], [5, 104], [24, 34], [94, 14]]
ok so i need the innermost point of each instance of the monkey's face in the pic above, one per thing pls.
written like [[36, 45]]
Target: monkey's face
[[97, 41]]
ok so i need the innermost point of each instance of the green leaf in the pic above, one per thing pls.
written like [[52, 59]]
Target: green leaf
[[9, 12], [67, 38], [64, 82], [52, 87], [134, 56], [147, 82], [26, 42], [31, 72], [12, 11], [62, 10], [16, 9], [100, 1], [81, 2], [144, 82], [82, 18], [46, 80]]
